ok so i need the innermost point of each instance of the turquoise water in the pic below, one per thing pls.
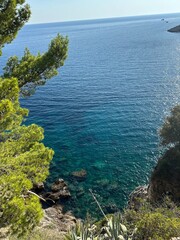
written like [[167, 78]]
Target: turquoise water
[[103, 111]]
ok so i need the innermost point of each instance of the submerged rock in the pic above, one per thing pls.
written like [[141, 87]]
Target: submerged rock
[[80, 192], [103, 183], [113, 187], [79, 175], [175, 29], [59, 190], [58, 185]]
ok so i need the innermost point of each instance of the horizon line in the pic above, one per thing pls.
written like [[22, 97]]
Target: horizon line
[[91, 19]]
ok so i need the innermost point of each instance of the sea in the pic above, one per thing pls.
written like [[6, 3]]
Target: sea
[[103, 112]]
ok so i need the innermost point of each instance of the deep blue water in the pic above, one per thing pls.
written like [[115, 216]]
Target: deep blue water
[[103, 111]]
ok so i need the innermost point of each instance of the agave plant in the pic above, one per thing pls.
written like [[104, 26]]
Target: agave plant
[[114, 230], [81, 232]]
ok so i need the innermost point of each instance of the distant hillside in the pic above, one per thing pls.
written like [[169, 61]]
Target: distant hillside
[[175, 29]]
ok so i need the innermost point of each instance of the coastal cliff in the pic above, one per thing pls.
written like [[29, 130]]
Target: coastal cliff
[[165, 179]]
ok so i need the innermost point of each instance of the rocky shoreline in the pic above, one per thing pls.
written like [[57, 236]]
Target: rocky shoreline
[[55, 218], [60, 221]]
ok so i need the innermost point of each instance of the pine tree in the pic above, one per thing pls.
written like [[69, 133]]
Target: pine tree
[[170, 131], [24, 160], [13, 15]]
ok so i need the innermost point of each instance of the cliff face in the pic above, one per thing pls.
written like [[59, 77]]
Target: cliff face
[[165, 179]]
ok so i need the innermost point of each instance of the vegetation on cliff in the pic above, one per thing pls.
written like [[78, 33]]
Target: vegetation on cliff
[[158, 221], [165, 179]]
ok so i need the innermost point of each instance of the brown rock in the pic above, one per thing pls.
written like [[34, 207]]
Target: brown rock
[[55, 196], [58, 221], [58, 185], [59, 191], [79, 175]]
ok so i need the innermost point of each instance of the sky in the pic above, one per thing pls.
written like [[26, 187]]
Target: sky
[[44, 11]]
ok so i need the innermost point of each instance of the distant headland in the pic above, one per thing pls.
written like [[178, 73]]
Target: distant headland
[[174, 29]]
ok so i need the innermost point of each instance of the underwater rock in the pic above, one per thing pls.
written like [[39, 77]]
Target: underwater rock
[[113, 187], [96, 167], [80, 192], [103, 182], [58, 185], [79, 175], [59, 190], [64, 147]]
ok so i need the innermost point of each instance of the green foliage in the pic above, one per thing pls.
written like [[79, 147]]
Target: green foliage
[[13, 15], [32, 71], [154, 222], [113, 229], [116, 230], [157, 226], [80, 231], [23, 151], [19, 209], [11, 114], [24, 160], [165, 178], [170, 132]]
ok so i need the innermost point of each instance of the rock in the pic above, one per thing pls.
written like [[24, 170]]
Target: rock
[[57, 221], [103, 183], [165, 179], [59, 191], [137, 197], [58, 185], [175, 29], [56, 196], [38, 187], [4, 233], [113, 187], [79, 175]]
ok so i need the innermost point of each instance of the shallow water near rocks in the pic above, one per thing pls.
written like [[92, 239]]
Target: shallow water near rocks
[[102, 112]]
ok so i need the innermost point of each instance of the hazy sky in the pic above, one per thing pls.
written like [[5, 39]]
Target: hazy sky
[[67, 10]]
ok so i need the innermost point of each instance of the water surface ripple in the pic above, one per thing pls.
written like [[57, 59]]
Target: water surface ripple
[[103, 111]]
